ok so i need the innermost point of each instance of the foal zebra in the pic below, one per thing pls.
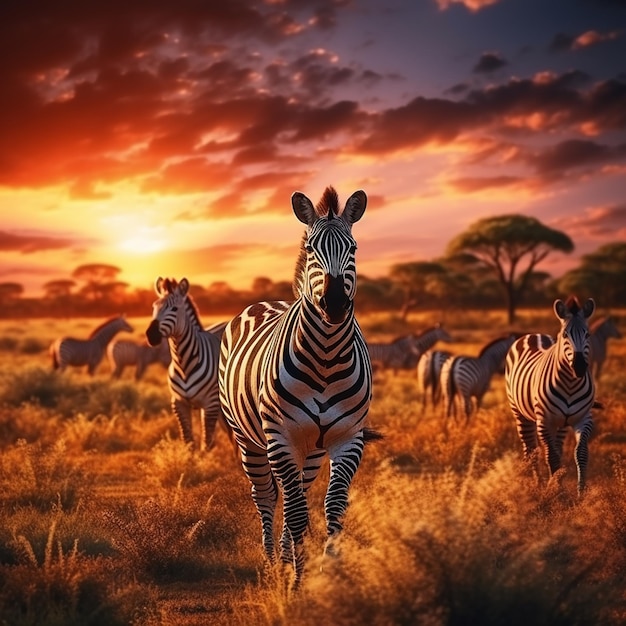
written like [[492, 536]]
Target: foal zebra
[[601, 330], [296, 381], [123, 353], [550, 388], [429, 374], [78, 352], [469, 377], [192, 373], [404, 352]]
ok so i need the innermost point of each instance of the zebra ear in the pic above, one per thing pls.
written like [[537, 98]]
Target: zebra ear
[[589, 307], [158, 285], [303, 208], [183, 286], [355, 207], [560, 310]]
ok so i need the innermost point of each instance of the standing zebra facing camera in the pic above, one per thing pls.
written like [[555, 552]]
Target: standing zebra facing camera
[[296, 381], [192, 373], [550, 387]]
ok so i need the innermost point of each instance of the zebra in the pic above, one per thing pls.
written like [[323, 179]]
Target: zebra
[[549, 387], [601, 330], [193, 370], [469, 377], [123, 352], [429, 373], [404, 352], [296, 381], [78, 352]]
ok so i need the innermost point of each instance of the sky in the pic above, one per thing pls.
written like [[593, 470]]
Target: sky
[[166, 138]]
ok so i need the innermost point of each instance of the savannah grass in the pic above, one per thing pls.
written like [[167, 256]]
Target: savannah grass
[[107, 518]]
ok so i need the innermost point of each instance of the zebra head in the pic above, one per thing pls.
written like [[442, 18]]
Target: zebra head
[[573, 339], [327, 271], [168, 310]]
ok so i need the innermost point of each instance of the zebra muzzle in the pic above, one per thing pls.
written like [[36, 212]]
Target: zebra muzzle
[[334, 303], [153, 334], [580, 364]]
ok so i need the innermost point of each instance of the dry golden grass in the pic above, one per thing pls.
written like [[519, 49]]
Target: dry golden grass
[[106, 518]]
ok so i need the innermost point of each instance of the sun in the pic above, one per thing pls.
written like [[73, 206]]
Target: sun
[[141, 245]]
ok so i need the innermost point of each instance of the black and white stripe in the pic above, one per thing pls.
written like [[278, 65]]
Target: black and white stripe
[[469, 377], [193, 370], [123, 353], [429, 374], [78, 352], [550, 388], [296, 381], [601, 331], [404, 352]]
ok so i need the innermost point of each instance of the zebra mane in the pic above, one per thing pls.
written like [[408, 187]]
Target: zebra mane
[[329, 204], [492, 343], [573, 305], [428, 330], [298, 277], [96, 330]]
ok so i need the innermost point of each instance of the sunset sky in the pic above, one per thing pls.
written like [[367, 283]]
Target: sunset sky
[[166, 137]]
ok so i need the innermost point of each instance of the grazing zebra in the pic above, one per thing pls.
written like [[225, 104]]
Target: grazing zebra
[[429, 374], [469, 377], [192, 373], [296, 381], [601, 330], [550, 388], [78, 352], [123, 353], [404, 352]]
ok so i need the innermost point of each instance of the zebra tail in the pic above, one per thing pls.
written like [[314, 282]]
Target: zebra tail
[[370, 434]]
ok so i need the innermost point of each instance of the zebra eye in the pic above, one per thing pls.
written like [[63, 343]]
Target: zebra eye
[[564, 334], [308, 248], [352, 249], [174, 308]]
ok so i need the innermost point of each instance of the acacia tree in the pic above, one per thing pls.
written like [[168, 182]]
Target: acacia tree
[[601, 275], [510, 246], [418, 280], [96, 277]]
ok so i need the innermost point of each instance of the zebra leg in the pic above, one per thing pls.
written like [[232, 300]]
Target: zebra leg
[[208, 419], [288, 471], [581, 452], [310, 471], [264, 494], [344, 462], [182, 410], [550, 446]]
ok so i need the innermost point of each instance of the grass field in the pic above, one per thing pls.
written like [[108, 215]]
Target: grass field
[[107, 518]]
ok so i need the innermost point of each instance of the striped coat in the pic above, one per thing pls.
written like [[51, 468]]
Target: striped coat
[[90, 352], [296, 381], [123, 353], [404, 352], [469, 377], [550, 388], [429, 374]]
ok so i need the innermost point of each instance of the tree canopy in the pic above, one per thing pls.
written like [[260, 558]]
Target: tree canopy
[[511, 246]]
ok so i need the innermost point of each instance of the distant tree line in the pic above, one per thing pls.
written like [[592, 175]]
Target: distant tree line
[[493, 264]]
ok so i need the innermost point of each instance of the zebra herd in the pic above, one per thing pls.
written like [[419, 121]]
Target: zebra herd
[[292, 381]]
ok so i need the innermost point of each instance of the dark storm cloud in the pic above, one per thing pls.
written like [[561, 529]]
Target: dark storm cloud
[[29, 244], [573, 154], [489, 62]]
